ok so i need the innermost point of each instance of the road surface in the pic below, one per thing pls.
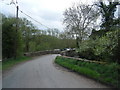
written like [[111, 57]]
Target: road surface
[[41, 72]]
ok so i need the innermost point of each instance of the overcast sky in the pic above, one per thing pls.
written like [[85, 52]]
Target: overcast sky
[[48, 12]]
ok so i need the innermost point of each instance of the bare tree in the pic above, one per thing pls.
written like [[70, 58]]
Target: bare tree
[[79, 19]]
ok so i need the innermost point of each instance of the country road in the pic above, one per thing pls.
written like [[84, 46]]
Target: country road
[[41, 72]]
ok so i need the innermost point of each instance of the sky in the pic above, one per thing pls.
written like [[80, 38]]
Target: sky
[[48, 12]]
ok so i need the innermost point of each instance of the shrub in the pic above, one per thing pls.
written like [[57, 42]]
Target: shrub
[[105, 48]]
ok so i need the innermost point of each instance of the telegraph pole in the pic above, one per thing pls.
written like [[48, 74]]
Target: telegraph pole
[[16, 37], [17, 19], [16, 31]]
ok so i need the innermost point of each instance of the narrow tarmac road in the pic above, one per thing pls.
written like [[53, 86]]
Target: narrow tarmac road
[[43, 73]]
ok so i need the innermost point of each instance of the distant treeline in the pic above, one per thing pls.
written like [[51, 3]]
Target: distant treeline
[[28, 38]]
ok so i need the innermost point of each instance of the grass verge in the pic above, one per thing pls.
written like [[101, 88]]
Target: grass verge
[[0, 65], [106, 73], [11, 62]]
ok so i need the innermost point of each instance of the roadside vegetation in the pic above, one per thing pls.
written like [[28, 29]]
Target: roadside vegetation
[[95, 42], [101, 48], [6, 64], [29, 38], [0, 65], [106, 73]]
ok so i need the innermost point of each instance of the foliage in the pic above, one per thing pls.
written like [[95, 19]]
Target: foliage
[[107, 11], [47, 42], [0, 65], [101, 72], [10, 38], [101, 48], [30, 39], [0, 37]]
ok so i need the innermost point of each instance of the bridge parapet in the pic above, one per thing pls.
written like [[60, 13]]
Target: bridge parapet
[[39, 53]]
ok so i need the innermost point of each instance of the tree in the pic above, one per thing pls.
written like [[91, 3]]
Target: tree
[[107, 11], [28, 31], [0, 36], [79, 20], [29, 39], [9, 35]]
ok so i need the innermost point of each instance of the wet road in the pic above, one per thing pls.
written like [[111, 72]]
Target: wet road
[[41, 72]]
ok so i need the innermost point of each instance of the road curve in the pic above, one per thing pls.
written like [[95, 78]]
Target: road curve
[[41, 72]]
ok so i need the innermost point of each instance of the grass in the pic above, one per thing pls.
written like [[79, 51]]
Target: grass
[[0, 65], [106, 73], [11, 62]]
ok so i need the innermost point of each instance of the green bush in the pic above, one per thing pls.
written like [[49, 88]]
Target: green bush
[[104, 48]]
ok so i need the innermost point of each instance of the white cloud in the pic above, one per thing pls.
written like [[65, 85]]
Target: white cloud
[[48, 12]]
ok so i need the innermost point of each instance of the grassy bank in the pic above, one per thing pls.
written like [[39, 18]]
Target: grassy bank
[[106, 73], [11, 62], [0, 65]]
